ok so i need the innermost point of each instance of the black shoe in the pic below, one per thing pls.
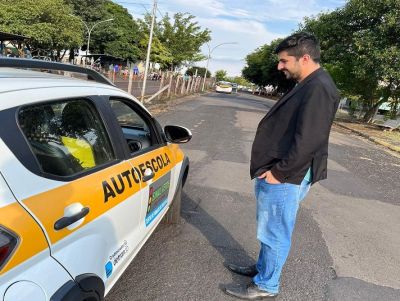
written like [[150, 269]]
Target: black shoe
[[249, 271], [249, 292]]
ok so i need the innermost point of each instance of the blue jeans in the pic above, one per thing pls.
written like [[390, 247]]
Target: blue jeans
[[277, 206]]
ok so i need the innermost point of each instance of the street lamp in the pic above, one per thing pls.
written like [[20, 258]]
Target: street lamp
[[208, 59], [90, 31]]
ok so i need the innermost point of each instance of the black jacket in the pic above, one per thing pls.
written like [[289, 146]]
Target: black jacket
[[294, 134]]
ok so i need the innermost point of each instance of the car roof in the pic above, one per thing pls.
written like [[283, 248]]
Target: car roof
[[12, 78], [42, 85]]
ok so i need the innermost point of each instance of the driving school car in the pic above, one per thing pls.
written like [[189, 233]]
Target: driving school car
[[223, 87], [86, 175]]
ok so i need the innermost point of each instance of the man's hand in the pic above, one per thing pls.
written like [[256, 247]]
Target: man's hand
[[269, 178]]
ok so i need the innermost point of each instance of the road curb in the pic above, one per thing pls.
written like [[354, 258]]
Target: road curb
[[377, 141]]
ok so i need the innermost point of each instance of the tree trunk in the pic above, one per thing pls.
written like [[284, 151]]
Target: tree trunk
[[71, 55], [372, 111], [62, 56]]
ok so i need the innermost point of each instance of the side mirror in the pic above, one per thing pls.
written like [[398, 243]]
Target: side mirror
[[177, 134]]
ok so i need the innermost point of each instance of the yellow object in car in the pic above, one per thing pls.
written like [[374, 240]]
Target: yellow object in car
[[81, 150]]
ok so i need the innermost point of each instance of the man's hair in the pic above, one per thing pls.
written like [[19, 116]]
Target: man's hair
[[299, 44]]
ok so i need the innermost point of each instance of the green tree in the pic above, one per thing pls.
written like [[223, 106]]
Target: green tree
[[220, 75], [200, 71], [119, 37], [159, 52], [254, 64], [239, 80], [48, 23], [183, 37], [261, 68], [360, 46], [90, 12]]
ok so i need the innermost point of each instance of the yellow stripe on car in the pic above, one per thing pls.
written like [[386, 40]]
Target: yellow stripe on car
[[109, 187], [31, 238]]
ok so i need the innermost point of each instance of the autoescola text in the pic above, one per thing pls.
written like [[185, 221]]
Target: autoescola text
[[117, 184]]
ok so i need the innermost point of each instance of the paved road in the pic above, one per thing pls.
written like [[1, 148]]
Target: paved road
[[346, 242]]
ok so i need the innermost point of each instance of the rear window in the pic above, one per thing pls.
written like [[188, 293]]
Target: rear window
[[66, 137]]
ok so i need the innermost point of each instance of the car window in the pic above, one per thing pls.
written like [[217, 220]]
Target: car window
[[67, 137], [223, 83], [135, 128]]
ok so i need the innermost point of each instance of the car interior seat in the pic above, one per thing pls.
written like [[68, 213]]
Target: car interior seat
[[36, 123], [75, 127]]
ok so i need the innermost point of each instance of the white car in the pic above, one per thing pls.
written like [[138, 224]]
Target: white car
[[86, 175], [223, 87]]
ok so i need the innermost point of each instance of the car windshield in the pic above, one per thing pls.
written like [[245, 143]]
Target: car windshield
[[222, 83]]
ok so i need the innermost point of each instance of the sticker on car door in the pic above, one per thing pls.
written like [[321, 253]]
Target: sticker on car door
[[158, 197]]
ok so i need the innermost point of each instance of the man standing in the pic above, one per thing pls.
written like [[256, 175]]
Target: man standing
[[289, 154]]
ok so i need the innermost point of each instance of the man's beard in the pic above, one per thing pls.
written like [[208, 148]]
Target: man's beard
[[290, 75]]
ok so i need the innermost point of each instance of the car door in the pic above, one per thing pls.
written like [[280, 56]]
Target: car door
[[77, 185], [151, 157]]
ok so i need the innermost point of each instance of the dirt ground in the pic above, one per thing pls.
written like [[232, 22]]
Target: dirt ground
[[375, 133], [157, 107]]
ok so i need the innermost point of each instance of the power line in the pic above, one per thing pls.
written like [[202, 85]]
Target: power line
[[162, 15], [135, 3]]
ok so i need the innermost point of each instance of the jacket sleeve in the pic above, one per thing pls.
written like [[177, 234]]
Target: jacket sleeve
[[314, 120]]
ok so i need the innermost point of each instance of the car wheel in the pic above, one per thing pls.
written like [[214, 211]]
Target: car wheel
[[173, 215]]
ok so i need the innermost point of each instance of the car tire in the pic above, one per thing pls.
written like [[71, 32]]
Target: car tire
[[173, 215]]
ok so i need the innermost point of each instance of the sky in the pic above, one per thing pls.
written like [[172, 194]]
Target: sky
[[246, 24]]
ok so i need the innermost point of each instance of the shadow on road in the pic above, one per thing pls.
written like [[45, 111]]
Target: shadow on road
[[218, 237]]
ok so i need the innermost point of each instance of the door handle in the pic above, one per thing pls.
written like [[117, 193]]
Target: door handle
[[69, 220], [148, 175]]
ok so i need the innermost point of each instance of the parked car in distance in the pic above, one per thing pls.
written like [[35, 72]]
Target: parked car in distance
[[223, 87]]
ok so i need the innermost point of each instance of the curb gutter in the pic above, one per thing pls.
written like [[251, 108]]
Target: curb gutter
[[377, 141]]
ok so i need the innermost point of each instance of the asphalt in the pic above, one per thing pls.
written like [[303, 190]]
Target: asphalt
[[346, 241]]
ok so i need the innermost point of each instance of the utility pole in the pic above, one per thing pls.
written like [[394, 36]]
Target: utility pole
[[148, 50], [208, 60]]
